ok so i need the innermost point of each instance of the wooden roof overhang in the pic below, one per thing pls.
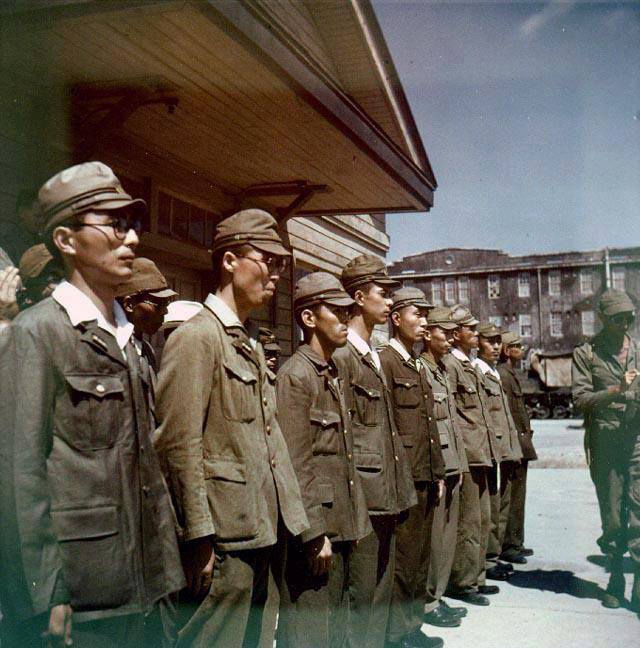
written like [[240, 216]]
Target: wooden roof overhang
[[213, 88]]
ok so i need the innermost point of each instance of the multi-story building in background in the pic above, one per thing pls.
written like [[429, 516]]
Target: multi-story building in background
[[549, 299]]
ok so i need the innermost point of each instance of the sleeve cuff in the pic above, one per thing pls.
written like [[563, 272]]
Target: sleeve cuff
[[198, 531], [60, 594]]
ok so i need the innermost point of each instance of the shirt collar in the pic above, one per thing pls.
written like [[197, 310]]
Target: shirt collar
[[363, 347], [486, 368], [461, 355], [80, 308], [222, 311], [319, 363], [399, 347]]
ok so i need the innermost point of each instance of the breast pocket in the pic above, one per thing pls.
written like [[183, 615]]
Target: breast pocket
[[467, 396], [367, 403], [440, 408], [494, 397], [93, 420], [326, 432], [406, 392], [240, 393]]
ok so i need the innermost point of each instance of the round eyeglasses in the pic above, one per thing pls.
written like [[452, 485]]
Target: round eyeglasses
[[122, 224]]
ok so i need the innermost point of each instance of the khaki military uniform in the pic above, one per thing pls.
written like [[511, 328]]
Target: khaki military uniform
[[314, 421], [412, 401], [228, 468]]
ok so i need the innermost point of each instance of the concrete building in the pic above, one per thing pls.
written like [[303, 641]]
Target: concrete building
[[549, 299]]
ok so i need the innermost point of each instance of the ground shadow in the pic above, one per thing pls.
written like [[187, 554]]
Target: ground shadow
[[601, 561], [559, 581]]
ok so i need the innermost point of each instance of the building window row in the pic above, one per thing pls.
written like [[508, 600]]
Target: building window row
[[454, 291], [617, 277]]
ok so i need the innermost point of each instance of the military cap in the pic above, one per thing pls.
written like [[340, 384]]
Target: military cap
[[462, 316], [146, 278], [366, 268], [319, 288], [613, 302], [510, 337], [268, 340], [409, 296], [78, 189], [489, 330], [255, 227], [34, 261], [180, 311], [441, 316]]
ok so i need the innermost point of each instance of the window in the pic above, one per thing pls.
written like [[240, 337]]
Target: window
[[496, 319], [588, 323], [586, 281], [493, 286], [463, 290], [554, 282], [408, 283], [436, 292], [617, 278], [185, 221], [524, 288], [449, 291], [555, 323], [524, 322]]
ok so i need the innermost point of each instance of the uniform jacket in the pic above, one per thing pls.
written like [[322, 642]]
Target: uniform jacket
[[594, 369], [451, 441], [85, 512], [412, 401], [224, 456], [315, 424], [379, 454], [513, 389], [471, 418], [499, 417]]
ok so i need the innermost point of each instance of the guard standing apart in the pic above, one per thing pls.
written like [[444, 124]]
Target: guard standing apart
[[224, 455], [468, 576], [314, 602], [412, 402], [86, 518], [513, 542], [605, 389], [379, 455], [501, 421], [272, 350], [447, 506]]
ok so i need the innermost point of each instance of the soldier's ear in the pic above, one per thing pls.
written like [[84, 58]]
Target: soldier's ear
[[358, 297], [308, 318], [229, 261], [64, 238], [427, 335], [395, 318], [127, 304]]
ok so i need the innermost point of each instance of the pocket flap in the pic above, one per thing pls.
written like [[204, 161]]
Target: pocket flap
[[405, 382], [227, 470], [439, 397], [368, 461], [492, 388], [98, 385], [324, 418], [370, 392], [240, 373], [444, 439], [83, 524]]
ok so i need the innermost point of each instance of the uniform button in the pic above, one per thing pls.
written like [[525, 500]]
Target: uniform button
[[396, 458], [344, 431], [407, 384], [100, 388], [429, 418], [264, 401], [393, 434], [349, 456], [324, 421], [351, 482], [268, 429], [145, 489], [273, 463]]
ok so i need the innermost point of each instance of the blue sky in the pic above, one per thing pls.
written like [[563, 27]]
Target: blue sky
[[530, 114]]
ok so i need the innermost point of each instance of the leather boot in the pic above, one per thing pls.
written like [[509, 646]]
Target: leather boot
[[614, 596]]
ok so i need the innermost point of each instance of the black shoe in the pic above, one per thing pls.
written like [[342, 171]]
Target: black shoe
[[526, 552], [610, 601], [495, 573], [488, 589], [505, 566], [440, 618], [473, 598], [457, 612], [514, 557], [417, 639]]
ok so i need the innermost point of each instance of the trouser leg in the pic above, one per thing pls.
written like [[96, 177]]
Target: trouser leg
[[514, 531], [507, 477], [633, 498], [493, 544], [371, 582], [484, 502]]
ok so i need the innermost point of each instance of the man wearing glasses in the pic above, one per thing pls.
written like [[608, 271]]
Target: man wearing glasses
[[87, 522], [226, 461], [605, 389]]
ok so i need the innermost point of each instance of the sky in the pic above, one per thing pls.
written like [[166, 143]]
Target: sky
[[530, 115]]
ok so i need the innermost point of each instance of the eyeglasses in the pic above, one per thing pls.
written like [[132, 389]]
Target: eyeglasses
[[121, 225], [160, 303], [514, 346], [623, 318], [275, 264]]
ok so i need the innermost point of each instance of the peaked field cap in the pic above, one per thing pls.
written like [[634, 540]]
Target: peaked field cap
[[364, 269], [613, 302], [320, 288], [409, 296], [511, 337], [441, 316], [146, 278], [489, 330], [462, 316], [78, 189], [255, 227], [34, 261], [268, 339], [180, 311]]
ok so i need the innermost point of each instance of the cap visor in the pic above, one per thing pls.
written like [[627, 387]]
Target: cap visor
[[386, 282], [137, 204], [447, 326], [272, 247], [472, 322], [164, 293]]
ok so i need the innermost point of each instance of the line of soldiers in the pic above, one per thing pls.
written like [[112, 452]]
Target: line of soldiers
[[217, 503]]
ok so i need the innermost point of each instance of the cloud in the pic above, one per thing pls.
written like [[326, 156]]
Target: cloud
[[549, 13]]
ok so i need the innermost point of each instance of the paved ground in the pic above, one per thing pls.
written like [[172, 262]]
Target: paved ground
[[553, 601]]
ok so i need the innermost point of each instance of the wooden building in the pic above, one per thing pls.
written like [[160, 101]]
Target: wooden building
[[205, 107]]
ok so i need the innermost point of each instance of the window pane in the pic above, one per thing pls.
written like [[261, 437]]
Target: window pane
[[450, 290], [164, 213], [496, 319], [524, 321], [180, 219], [436, 292], [554, 282], [617, 278], [524, 289], [196, 225], [556, 324], [463, 290], [586, 281], [588, 323], [493, 286]]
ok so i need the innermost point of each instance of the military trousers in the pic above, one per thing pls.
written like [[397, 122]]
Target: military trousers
[[513, 532], [314, 610], [444, 531], [413, 549], [473, 532], [499, 496], [238, 611], [371, 574]]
